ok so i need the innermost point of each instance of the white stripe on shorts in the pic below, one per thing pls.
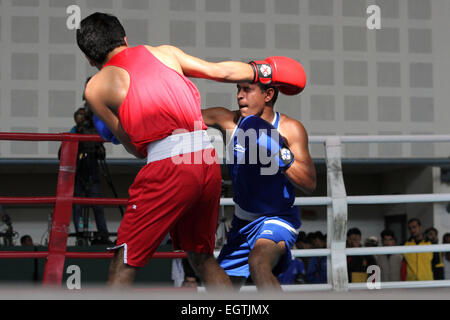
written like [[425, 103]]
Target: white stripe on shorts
[[124, 245], [284, 225]]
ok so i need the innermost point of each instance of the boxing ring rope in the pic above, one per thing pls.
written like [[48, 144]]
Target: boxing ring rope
[[336, 201], [337, 204], [63, 202]]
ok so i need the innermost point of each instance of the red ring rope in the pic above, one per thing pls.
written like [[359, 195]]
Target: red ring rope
[[63, 202]]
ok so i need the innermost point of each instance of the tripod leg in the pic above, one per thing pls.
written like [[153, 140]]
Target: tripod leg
[[82, 240], [107, 176]]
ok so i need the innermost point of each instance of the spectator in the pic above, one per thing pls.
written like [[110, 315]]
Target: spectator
[[183, 275], [301, 242], [446, 259], [354, 238], [357, 265], [190, 279], [432, 235], [190, 282], [371, 241], [294, 273], [304, 241], [319, 240], [317, 270], [310, 236], [417, 266], [437, 264], [317, 266], [390, 264], [177, 272], [26, 241], [6, 229], [87, 179]]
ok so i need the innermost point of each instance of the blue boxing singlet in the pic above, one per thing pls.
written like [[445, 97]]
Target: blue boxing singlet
[[255, 194]]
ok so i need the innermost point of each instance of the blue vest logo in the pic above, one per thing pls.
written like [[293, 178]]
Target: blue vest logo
[[239, 148]]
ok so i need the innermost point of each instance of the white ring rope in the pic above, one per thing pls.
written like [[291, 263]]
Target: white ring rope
[[352, 286], [380, 199], [368, 250], [335, 141], [383, 139]]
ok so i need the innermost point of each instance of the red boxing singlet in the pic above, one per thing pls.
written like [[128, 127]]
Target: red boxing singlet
[[159, 100]]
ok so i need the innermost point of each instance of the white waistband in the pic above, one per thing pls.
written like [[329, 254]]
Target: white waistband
[[249, 216], [244, 214], [178, 144]]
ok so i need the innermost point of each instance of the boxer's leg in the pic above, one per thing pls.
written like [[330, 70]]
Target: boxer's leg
[[233, 257], [121, 275], [238, 282], [270, 254], [196, 229], [262, 259], [208, 270], [156, 201]]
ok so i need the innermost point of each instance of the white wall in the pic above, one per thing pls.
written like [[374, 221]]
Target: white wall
[[360, 81], [410, 181], [389, 81]]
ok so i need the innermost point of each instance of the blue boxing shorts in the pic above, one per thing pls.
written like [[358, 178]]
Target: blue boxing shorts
[[233, 257]]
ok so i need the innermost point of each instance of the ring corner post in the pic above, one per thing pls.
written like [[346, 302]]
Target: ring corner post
[[62, 213], [336, 215]]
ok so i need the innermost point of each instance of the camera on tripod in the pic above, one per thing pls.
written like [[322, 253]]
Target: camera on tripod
[[85, 125], [7, 233], [90, 163]]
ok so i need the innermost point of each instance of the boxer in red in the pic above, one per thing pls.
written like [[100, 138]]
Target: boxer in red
[[143, 96]]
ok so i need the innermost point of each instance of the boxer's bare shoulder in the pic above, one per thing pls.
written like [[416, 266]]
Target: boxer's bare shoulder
[[110, 85], [166, 55], [302, 172], [292, 129]]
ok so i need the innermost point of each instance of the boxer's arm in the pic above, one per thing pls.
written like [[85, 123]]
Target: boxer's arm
[[99, 96], [226, 71], [218, 117], [302, 172]]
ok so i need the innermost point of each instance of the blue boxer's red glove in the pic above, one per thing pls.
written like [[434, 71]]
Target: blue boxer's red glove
[[268, 139], [104, 131]]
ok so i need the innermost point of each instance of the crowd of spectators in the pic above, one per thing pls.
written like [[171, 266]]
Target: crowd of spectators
[[419, 266]]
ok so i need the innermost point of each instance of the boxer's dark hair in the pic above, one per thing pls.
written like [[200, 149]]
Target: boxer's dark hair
[[99, 34], [264, 87]]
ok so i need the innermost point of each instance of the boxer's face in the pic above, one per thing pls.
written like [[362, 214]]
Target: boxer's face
[[251, 99]]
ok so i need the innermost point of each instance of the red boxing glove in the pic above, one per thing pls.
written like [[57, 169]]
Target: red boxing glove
[[285, 73]]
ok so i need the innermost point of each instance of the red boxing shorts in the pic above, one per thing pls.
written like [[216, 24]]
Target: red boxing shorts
[[180, 198]]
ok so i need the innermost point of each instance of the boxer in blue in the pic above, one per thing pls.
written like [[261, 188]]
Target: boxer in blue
[[266, 222]]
